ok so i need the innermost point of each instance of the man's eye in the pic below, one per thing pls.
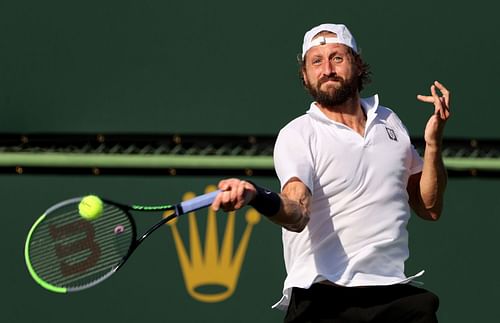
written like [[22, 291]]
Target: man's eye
[[338, 59], [316, 61]]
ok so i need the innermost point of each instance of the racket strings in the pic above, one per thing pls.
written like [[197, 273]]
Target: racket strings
[[69, 251]]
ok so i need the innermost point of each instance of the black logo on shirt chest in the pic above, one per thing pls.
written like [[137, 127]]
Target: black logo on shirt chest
[[391, 133]]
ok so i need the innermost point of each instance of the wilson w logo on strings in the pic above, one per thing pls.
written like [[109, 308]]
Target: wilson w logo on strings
[[211, 271]]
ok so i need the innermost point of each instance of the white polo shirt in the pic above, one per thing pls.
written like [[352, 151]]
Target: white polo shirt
[[357, 233]]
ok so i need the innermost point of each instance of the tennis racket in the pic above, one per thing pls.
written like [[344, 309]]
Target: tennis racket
[[66, 253]]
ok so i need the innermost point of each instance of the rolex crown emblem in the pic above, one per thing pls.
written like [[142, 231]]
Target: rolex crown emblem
[[208, 265]]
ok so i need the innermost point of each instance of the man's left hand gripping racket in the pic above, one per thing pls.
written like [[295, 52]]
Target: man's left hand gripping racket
[[65, 252]]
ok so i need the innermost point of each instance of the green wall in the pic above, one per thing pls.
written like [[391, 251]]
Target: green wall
[[458, 253], [229, 66]]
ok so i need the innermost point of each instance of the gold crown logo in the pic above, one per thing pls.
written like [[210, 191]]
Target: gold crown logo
[[212, 267]]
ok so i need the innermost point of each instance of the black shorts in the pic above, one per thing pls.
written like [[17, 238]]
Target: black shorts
[[401, 303]]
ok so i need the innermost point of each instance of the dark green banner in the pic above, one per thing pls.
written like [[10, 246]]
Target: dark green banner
[[457, 253]]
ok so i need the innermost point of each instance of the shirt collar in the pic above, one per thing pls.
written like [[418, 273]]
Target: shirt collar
[[369, 104]]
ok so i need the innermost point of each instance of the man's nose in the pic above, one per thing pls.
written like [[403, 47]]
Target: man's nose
[[328, 69]]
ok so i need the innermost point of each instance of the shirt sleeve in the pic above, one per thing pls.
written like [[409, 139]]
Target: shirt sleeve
[[417, 163], [293, 158]]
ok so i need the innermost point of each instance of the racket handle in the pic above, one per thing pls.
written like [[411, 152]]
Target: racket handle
[[197, 202]]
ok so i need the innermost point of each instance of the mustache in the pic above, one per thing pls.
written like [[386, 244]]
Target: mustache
[[331, 77]]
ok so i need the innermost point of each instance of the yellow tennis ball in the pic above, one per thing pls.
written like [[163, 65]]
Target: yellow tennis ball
[[90, 207]]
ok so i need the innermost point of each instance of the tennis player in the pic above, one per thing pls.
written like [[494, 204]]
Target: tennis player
[[349, 175]]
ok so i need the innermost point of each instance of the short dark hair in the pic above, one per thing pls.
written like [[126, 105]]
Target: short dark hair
[[364, 78]]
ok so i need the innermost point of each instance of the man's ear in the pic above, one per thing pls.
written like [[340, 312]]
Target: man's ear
[[303, 76]]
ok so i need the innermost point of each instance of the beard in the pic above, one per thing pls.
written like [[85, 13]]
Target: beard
[[333, 96]]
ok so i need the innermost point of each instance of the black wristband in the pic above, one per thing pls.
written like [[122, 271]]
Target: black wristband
[[266, 202]]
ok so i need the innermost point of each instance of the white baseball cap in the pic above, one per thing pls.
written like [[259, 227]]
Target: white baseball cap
[[344, 36]]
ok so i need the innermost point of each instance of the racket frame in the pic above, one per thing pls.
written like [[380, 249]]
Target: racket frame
[[179, 209]]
